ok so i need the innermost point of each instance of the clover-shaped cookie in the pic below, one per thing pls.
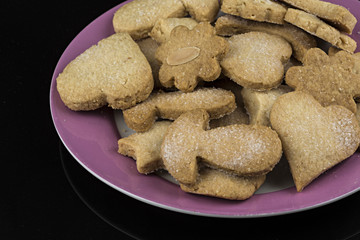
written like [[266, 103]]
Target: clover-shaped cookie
[[330, 79], [191, 55], [256, 60]]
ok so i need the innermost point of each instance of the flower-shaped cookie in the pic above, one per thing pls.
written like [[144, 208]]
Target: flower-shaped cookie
[[332, 80], [191, 55]]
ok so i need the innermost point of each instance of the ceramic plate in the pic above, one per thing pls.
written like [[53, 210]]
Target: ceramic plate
[[91, 138]]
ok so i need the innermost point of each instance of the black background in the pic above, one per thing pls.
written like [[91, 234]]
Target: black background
[[46, 194]]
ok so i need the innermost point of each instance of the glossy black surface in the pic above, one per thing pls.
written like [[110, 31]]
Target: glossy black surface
[[46, 194]]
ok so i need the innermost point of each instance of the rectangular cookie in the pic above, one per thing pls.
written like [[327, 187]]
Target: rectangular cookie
[[319, 28], [338, 15], [258, 10]]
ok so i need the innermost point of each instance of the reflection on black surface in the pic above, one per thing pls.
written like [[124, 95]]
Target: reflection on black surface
[[339, 220]]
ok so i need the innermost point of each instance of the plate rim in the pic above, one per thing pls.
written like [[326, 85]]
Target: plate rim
[[145, 200]]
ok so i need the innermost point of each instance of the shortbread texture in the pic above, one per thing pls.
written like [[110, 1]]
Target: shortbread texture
[[215, 183], [202, 10], [338, 15], [148, 47], [145, 147], [319, 28], [139, 16], [243, 150], [114, 72], [259, 103], [299, 40], [332, 80], [204, 63], [256, 60], [314, 138], [170, 105], [258, 10]]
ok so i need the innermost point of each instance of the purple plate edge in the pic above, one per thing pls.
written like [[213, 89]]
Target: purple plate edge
[[190, 210]]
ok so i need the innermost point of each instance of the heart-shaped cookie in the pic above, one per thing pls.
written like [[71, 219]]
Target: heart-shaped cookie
[[314, 138], [113, 72]]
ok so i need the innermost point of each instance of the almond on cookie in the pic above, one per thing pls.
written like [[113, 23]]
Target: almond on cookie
[[190, 56]]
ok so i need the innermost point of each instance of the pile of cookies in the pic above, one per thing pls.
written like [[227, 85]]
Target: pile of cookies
[[218, 91]]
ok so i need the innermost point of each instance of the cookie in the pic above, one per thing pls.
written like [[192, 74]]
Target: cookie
[[330, 79], [299, 40], [239, 115], [170, 105], [314, 138], [139, 16], [258, 104], [145, 147], [163, 27], [148, 47], [190, 56], [339, 16], [216, 183], [356, 56], [319, 28], [256, 60], [244, 150], [258, 10], [114, 72], [202, 10]]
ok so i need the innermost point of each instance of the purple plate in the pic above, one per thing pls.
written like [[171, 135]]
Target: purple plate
[[91, 138]]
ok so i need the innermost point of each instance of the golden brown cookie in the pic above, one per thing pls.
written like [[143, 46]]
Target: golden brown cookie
[[170, 105], [319, 28], [239, 115], [256, 60], [217, 183], [202, 10], [258, 10], [356, 56], [139, 16], [330, 79], [163, 27], [190, 56], [314, 138], [245, 150], [145, 147], [338, 15], [114, 72], [258, 104], [148, 47], [299, 40]]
